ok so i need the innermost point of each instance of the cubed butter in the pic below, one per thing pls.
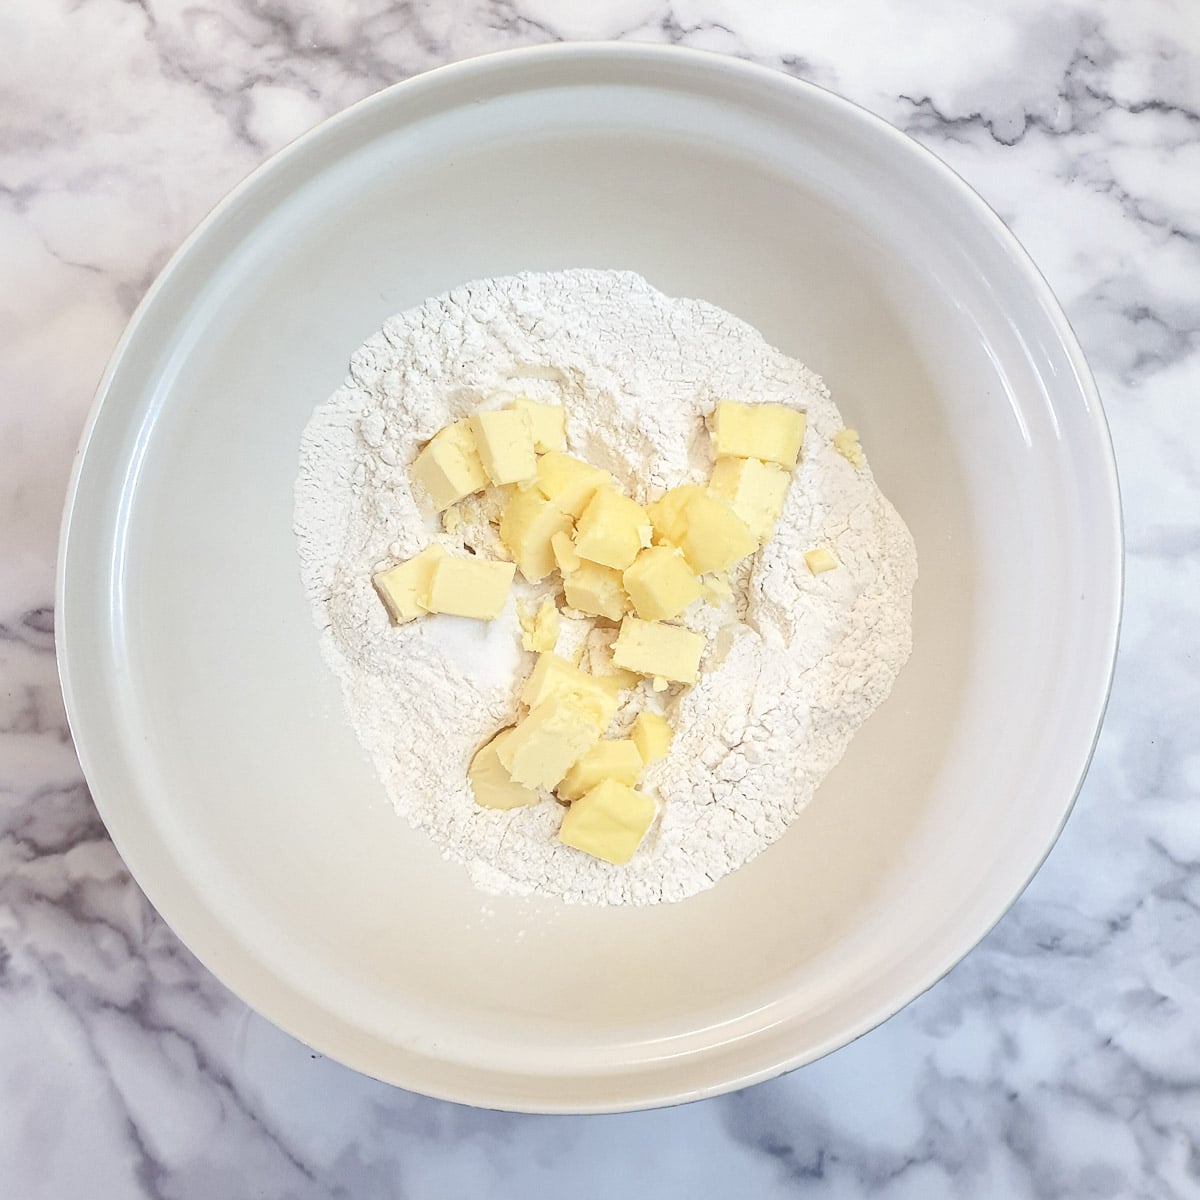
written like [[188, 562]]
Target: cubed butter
[[539, 627], [617, 681], [547, 422], [716, 589], [652, 648], [491, 784], [771, 432], [846, 443], [819, 560], [715, 537], [404, 588], [608, 531], [596, 590], [449, 467], [619, 760], [469, 587], [527, 525], [651, 734], [555, 678], [505, 443], [609, 822], [452, 520], [754, 489], [569, 483], [668, 513], [660, 583], [565, 554], [549, 740]]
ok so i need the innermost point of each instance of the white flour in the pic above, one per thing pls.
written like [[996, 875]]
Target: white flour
[[794, 664]]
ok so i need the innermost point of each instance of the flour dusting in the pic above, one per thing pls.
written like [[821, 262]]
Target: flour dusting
[[794, 664]]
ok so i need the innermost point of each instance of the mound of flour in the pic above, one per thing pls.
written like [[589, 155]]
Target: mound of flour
[[794, 662]]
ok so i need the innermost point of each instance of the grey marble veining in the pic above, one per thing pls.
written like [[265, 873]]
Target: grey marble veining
[[1060, 1059]]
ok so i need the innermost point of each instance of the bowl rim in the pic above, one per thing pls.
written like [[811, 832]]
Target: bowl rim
[[717, 64]]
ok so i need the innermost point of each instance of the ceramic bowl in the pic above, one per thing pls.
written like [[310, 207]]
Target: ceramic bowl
[[213, 735]]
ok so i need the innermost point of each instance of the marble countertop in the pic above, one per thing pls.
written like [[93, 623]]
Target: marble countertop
[[1060, 1059]]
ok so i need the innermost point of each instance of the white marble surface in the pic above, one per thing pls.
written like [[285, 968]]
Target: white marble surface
[[1061, 1059]]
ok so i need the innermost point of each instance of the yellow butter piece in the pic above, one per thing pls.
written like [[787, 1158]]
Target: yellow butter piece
[[596, 590], [617, 680], [449, 467], [548, 423], [452, 520], [555, 678], [568, 482], [549, 740], [667, 513], [539, 627], [771, 432], [608, 531], [619, 760], [505, 443], [565, 554], [716, 589], [651, 734], [819, 560], [609, 822], [404, 588], [715, 537], [660, 583], [491, 784], [652, 648], [659, 683], [846, 443], [469, 587], [754, 489], [710, 534], [527, 526]]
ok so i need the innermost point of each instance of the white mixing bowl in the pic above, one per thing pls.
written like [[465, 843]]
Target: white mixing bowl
[[213, 735]]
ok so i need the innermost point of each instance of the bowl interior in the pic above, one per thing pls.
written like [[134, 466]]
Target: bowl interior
[[214, 735]]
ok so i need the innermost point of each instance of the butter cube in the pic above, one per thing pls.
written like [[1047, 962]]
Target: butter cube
[[555, 678], [449, 467], [565, 554], [609, 530], [569, 483], [754, 489], [716, 590], [660, 584], [469, 587], [714, 537], [668, 513], [596, 590], [651, 734], [819, 560], [527, 525], [548, 423], [491, 784], [608, 823], [619, 760], [846, 443], [549, 741], [505, 443], [617, 680], [651, 648], [539, 628], [404, 588], [767, 431]]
